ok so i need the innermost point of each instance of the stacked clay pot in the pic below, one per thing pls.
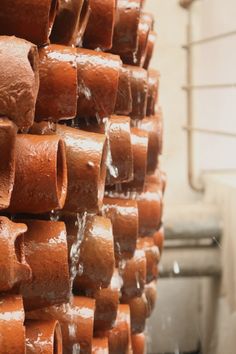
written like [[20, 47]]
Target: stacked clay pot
[[81, 187]]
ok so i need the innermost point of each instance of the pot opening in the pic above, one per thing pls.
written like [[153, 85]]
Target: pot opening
[[61, 174], [19, 248], [57, 341]]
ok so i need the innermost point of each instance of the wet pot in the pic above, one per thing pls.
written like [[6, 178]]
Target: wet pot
[[124, 98]]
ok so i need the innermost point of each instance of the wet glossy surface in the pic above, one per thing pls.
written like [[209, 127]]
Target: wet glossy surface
[[149, 49], [100, 346], [138, 343], [139, 310], [124, 97], [152, 257], [153, 91]]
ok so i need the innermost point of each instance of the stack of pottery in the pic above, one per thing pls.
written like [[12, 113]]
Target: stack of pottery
[[81, 189]]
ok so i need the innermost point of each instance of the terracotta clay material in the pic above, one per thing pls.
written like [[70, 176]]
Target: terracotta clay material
[[14, 269], [151, 296], [152, 257], [138, 343], [124, 98], [43, 337], [41, 174], [31, 20], [70, 22], [158, 238], [133, 273], [18, 73], [150, 207], [12, 330], [99, 31], [154, 127], [46, 253], [149, 49], [98, 77], [76, 319], [125, 38], [107, 301], [86, 155], [7, 160], [119, 338], [140, 149], [153, 91], [123, 214], [96, 255], [139, 91], [138, 312], [100, 346], [57, 98]]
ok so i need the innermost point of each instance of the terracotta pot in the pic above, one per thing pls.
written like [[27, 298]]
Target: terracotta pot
[[100, 346], [43, 128], [107, 301], [99, 31], [125, 38], [14, 269], [12, 330], [123, 214], [149, 49], [124, 98], [152, 253], [153, 126], [138, 343], [150, 207], [151, 296], [86, 155], [98, 77], [139, 311], [140, 149], [158, 238], [57, 98], [76, 320], [7, 160], [46, 240], [43, 337], [18, 73], [96, 255], [139, 90], [70, 22], [153, 91], [119, 338], [41, 174], [133, 273], [30, 20]]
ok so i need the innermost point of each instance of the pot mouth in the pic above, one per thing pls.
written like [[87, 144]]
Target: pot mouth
[[52, 14], [61, 171], [57, 339]]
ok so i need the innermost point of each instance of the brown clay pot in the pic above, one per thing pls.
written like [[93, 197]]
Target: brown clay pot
[[107, 301], [7, 160], [153, 126], [99, 31], [57, 98], [71, 21], [138, 343], [119, 337], [139, 90], [149, 49], [98, 77], [150, 207], [158, 238], [46, 253], [133, 273], [124, 98], [76, 319], [31, 20], [43, 337], [41, 174], [151, 296], [139, 140], [86, 155], [152, 253], [100, 345], [123, 214], [18, 73], [125, 38], [96, 255], [14, 269], [153, 91], [139, 312], [12, 330]]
